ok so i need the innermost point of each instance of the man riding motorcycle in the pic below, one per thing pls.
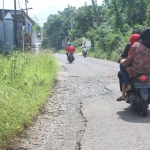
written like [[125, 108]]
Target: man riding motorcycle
[[83, 47], [69, 48]]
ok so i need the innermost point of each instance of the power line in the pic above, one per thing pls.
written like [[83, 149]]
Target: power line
[[42, 19]]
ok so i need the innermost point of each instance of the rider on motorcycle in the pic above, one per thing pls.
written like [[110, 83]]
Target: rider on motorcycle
[[133, 38], [83, 47], [69, 48], [138, 59]]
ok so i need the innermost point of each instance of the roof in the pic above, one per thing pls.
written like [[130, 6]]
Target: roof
[[21, 15]]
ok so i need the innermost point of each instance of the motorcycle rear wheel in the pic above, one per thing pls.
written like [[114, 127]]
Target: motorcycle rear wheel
[[70, 61], [143, 109], [84, 55]]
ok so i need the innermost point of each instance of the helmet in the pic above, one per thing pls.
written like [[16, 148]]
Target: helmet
[[68, 43]]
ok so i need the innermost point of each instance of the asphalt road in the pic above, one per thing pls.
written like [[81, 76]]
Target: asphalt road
[[111, 125], [82, 112]]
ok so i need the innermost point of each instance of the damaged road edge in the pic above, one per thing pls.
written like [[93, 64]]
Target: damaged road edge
[[79, 146]]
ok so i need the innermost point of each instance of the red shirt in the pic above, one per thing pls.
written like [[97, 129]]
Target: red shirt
[[70, 48]]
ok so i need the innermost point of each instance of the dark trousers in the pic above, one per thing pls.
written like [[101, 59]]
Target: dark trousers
[[67, 55], [125, 76], [120, 80]]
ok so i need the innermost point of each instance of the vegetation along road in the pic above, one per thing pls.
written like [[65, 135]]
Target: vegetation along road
[[83, 114]]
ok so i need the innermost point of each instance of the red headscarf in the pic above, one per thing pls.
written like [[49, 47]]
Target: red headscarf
[[133, 38]]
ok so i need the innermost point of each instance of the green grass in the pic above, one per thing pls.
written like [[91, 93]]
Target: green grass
[[25, 83], [104, 55]]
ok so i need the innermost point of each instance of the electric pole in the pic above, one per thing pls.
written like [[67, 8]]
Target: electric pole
[[3, 10], [19, 4], [70, 15], [16, 35], [26, 1]]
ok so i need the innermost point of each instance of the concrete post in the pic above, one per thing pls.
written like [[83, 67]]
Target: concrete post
[[8, 33], [20, 36]]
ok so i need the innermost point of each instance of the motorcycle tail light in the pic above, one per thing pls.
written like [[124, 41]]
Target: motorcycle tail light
[[143, 78]]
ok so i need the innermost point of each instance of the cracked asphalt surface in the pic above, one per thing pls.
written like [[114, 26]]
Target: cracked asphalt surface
[[82, 112]]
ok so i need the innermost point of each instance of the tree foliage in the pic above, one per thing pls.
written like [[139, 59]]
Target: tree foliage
[[36, 27], [56, 28], [107, 26]]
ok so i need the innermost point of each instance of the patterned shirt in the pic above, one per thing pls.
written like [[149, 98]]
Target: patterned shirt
[[138, 61]]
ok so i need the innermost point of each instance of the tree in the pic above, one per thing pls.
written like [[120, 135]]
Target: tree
[[36, 26], [96, 13], [56, 28], [83, 20]]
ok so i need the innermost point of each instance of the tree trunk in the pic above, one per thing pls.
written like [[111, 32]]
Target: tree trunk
[[96, 13]]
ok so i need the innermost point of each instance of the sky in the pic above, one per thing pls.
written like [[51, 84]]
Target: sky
[[43, 8]]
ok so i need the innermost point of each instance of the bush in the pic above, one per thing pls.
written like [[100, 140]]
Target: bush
[[26, 80], [77, 42]]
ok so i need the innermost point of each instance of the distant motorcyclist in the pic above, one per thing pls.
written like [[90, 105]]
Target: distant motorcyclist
[[83, 47], [69, 48]]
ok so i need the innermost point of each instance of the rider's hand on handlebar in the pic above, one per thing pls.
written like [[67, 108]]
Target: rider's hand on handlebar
[[122, 61]]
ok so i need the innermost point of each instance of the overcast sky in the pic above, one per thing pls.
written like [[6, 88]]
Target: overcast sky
[[42, 8]]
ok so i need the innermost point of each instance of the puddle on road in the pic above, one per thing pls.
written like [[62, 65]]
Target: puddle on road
[[105, 91]]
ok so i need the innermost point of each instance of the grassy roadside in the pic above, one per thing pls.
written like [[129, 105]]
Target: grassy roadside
[[25, 83], [104, 55]]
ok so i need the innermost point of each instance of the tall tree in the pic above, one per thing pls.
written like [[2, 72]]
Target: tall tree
[[83, 19], [96, 12], [56, 28]]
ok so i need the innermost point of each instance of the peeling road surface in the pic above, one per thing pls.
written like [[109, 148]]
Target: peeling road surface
[[82, 112]]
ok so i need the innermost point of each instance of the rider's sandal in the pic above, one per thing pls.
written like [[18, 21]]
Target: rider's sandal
[[120, 99]]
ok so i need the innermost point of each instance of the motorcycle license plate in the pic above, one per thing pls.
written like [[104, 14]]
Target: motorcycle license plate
[[142, 85]]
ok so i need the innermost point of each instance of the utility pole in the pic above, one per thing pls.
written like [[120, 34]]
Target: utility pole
[[3, 10], [19, 4], [71, 20], [16, 35], [26, 1]]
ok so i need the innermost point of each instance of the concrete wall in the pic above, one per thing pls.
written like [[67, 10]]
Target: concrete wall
[[35, 38], [1, 36]]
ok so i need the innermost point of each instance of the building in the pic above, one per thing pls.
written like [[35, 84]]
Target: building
[[30, 37]]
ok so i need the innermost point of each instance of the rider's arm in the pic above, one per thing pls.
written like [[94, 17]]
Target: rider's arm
[[129, 59], [74, 49], [125, 52], [66, 49]]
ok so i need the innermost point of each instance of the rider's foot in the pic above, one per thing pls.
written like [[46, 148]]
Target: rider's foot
[[121, 99]]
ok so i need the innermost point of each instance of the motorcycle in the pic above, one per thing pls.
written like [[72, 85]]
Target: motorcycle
[[139, 96], [84, 52], [71, 57]]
